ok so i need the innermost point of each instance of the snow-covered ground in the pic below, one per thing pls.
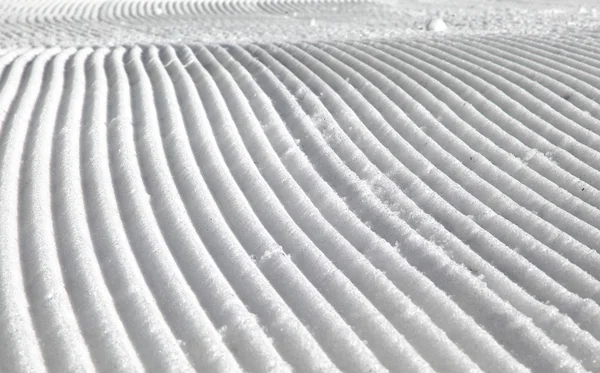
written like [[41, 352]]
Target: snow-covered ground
[[65, 23], [299, 185]]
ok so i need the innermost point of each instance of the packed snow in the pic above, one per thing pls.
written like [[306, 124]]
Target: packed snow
[[299, 186]]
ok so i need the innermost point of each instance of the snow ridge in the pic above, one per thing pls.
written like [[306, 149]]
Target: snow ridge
[[386, 205]]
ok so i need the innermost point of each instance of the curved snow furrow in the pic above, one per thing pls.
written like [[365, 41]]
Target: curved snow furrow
[[429, 82], [207, 217], [264, 304], [254, 357], [574, 50], [132, 298], [559, 99], [380, 223], [555, 155], [586, 140], [534, 224], [379, 334], [197, 335], [19, 324], [579, 58], [333, 245], [165, 282], [365, 237], [569, 90], [566, 202], [573, 67], [575, 308], [50, 306], [487, 275], [543, 127], [591, 45], [224, 314], [424, 205], [111, 349], [367, 180], [304, 212], [501, 288], [532, 159], [540, 210], [270, 257]]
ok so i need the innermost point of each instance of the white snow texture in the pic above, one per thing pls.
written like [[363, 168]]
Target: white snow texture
[[298, 186]]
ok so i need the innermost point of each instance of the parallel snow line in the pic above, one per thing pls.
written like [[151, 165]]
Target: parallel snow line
[[13, 66], [362, 242], [379, 334], [578, 57], [302, 211], [174, 140], [101, 325], [574, 50], [18, 326], [57, 328], [270, 257], [560, 99], [576, 310], [416, 95], [287, 153], [577, 93], [208, 219], [207, 281], [535, 226], [430, 83], [296, 245], [425, 205], [446, 368], [147, 326], [533, 159], [543, 127], [591, 45], [556, 61], [194, 330], [267, 305], [173, 295], [592, 242], [574, 190], [586, 146], [382, 222], [540, 209]]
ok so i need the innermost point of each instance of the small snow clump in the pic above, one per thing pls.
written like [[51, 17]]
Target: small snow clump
[[436, 25]]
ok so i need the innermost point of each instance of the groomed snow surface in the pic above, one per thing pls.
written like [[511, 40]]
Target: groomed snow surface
[[405, 204]]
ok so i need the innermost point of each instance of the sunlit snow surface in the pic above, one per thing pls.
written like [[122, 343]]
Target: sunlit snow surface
[[307, 186]]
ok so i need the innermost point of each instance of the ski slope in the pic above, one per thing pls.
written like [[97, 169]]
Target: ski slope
[[282, 186]]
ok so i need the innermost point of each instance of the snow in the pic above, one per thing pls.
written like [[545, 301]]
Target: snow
[[299, 186], [436, 25]]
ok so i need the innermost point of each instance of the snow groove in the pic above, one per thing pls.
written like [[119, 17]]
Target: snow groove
[[413, 205], [79, 22]]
